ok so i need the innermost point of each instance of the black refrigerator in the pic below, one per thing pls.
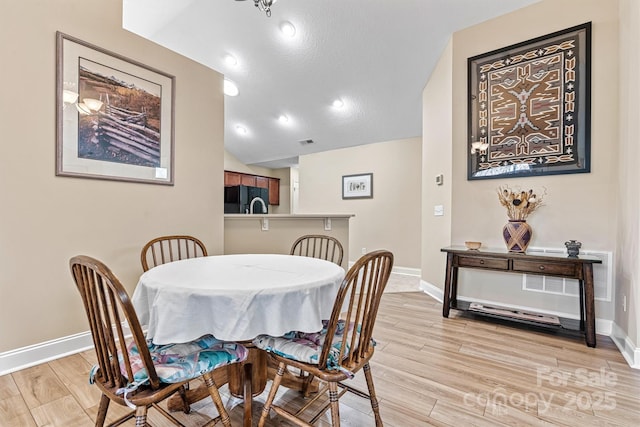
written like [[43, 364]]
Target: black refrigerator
[[237, 199]]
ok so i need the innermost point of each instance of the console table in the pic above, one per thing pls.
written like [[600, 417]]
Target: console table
[[557, 265]]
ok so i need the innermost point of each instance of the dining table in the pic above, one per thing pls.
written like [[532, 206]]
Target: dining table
[[236, 298]]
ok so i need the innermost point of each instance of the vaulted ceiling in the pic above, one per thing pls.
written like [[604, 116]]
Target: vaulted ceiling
[[375, 56]]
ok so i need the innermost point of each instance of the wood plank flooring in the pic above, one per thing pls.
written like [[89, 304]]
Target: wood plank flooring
[[427, 370]]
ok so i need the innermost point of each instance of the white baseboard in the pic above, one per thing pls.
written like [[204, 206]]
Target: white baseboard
[[432, 290], [25, 357], [407, 271], [629, 351], [399, 270]]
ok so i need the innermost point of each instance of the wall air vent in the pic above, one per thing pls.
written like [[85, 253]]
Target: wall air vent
[[306, 141]]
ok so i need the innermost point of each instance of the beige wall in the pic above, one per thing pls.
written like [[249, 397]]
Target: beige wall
[[628, 208], [47, 219], [578, 206], [231, 163], [391, 219], [437, 146]]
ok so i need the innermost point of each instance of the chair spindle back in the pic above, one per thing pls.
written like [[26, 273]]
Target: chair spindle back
[[107, 306], [357, 306], [170, 248], [319, 246]]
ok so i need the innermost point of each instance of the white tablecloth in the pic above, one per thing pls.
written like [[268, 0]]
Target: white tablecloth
[[236, 297]]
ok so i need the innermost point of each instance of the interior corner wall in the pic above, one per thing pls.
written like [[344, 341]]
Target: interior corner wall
[[391, 219], [437, 146], [628, 210], [48, 219], [577, 206]]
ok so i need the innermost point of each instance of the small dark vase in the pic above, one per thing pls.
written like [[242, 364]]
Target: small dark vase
[[573, 248], [517, 235]]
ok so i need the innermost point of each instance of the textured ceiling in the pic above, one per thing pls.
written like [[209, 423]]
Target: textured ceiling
[[376, 55]]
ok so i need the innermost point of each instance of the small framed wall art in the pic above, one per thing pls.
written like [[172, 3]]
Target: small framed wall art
[[530, 107], [357, 186], [114, 116]]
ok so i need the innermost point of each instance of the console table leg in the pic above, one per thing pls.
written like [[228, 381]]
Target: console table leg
[[581, 292], [589, 305], [446, 299]]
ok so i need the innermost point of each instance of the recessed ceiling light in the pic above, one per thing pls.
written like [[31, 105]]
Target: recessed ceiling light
[[338, 103], [283, 118], [288, 29], [230, 60], [241, 129], [230, 88]]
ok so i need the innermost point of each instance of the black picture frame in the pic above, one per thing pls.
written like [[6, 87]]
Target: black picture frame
[[529, 107], [358, 186]]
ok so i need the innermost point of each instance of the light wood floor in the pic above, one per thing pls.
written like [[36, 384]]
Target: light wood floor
[[428, 371]]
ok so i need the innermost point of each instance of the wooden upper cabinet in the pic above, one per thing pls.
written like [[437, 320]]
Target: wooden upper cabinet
[[274, 191], [231, 179], [262, 182], [249, 180], [238, 178]]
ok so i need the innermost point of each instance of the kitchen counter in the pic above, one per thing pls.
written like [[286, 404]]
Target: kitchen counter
[[275, 233]]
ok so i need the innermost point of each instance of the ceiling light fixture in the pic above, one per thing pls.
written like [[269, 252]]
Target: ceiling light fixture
[[264, 5], [288, 29], [338, 103], [230, 88], [230, 60], [283, 119], [241, 130]]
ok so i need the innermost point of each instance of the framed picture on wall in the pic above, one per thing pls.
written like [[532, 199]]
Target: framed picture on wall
[[357, 186], [114, 116], [530, 107]]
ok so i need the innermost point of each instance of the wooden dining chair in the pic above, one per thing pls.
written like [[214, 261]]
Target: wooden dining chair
[[341, 348], [318, 246], [132, 371], [170, 248]]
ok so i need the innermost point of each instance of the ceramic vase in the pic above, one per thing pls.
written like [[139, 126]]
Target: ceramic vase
[[573, 248], [517, 235]]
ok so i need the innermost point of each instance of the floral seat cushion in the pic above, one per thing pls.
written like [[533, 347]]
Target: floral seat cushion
[[306, 347], [180, 362]]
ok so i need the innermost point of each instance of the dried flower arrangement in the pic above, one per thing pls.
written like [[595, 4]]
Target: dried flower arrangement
[[520, 204]]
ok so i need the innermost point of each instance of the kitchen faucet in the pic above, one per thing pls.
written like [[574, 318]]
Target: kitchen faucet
[[257, 199]]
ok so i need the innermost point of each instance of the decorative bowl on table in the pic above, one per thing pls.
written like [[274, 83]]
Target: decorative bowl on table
[[474, 246]]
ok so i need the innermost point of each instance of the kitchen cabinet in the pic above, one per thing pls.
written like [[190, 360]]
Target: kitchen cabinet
[[274, 191], [248, 180], [231, 179], [262, 182]]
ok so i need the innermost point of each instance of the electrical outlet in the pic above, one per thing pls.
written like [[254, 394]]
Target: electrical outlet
[[265, 224], [364, 251], [327, 224], [624, 303], [438, 210]]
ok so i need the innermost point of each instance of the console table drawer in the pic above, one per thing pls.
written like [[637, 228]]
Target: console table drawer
[[478, 262], [550, 268]]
